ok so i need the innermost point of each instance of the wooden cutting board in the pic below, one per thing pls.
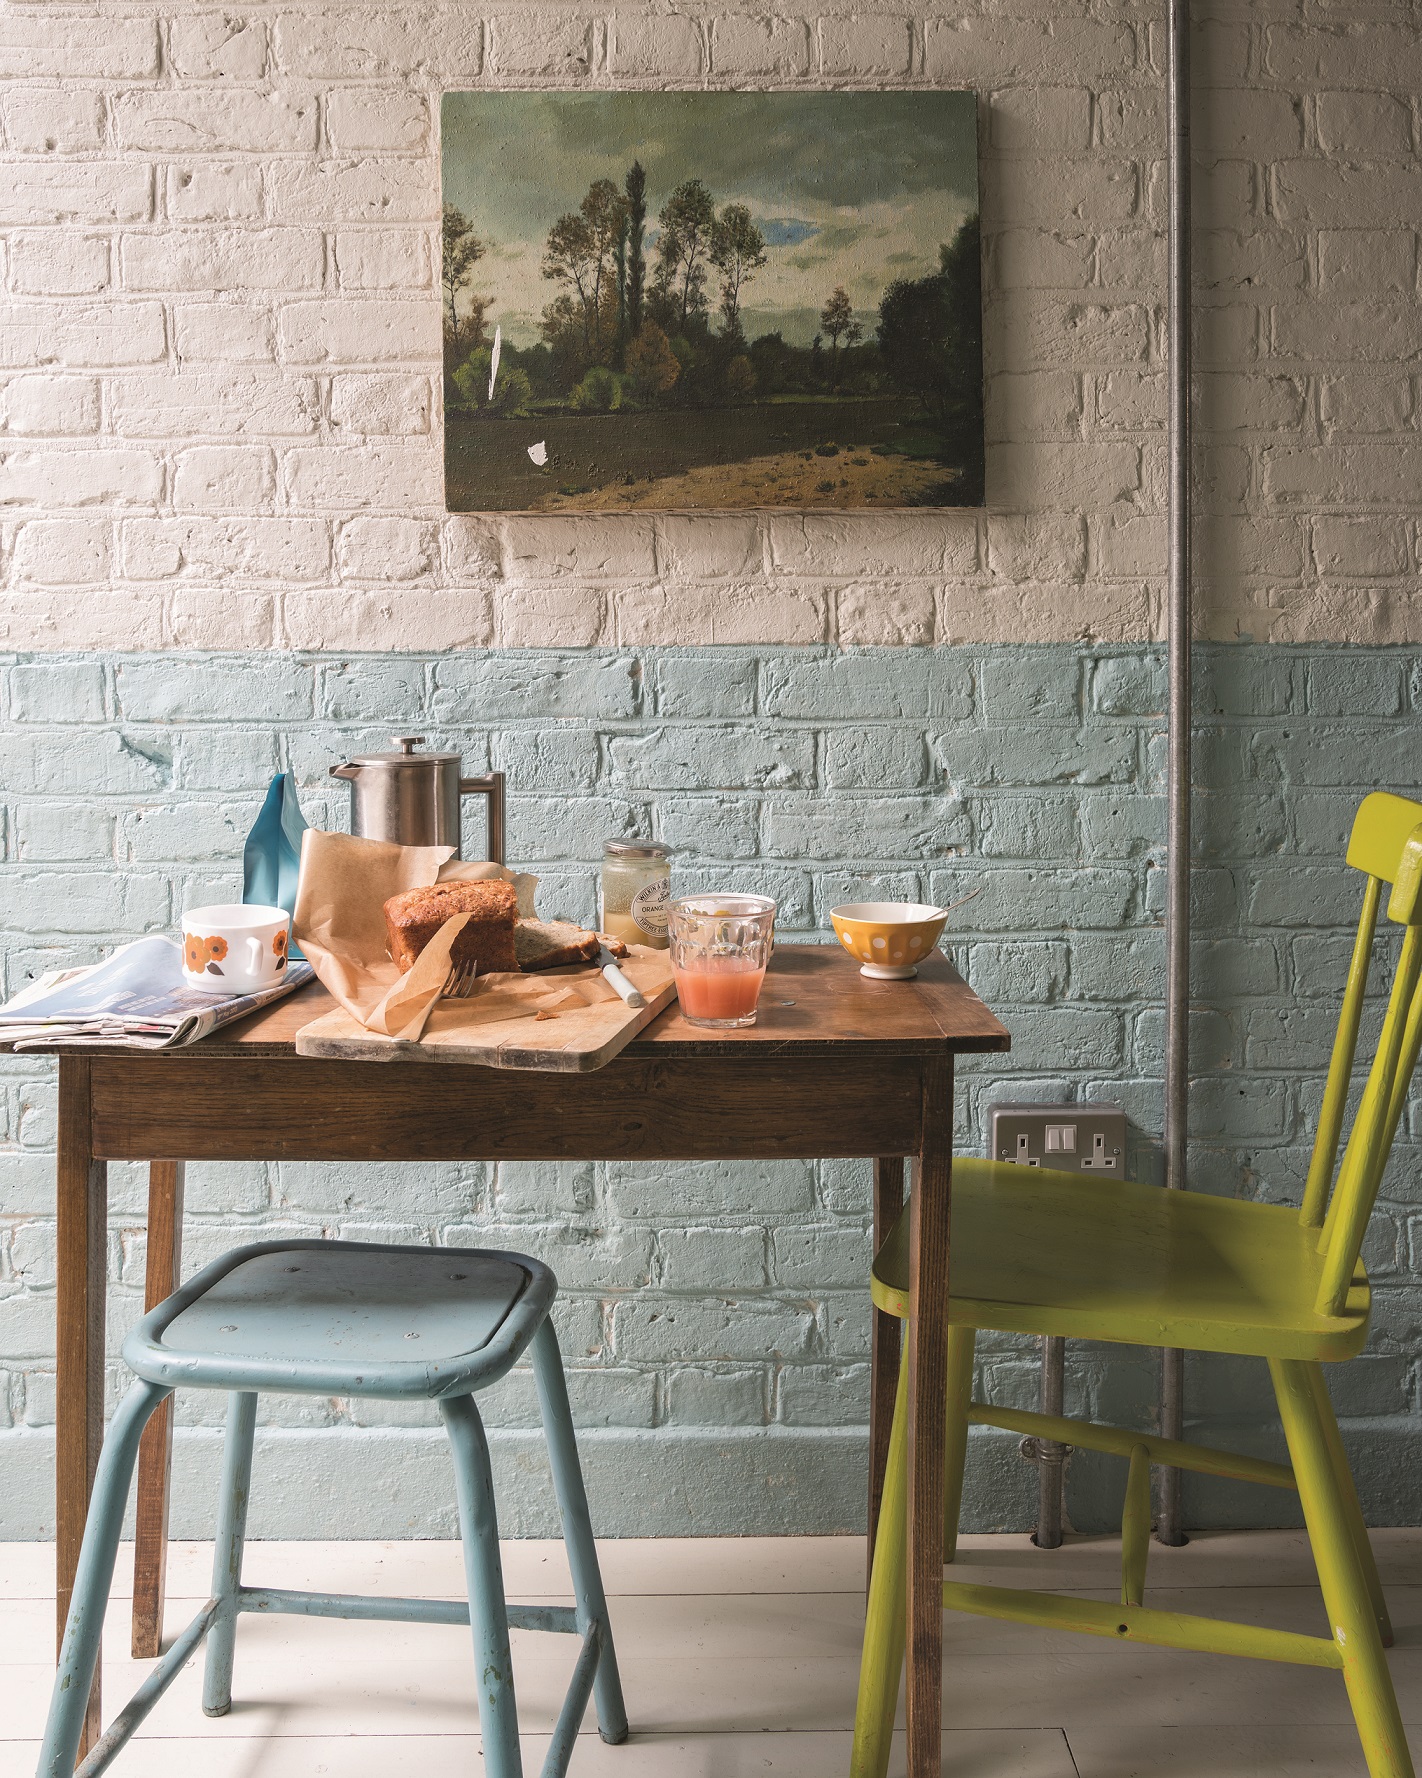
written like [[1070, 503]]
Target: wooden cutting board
[[577, 1041]]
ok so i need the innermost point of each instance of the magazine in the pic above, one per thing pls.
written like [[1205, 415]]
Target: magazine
[[135, 999]]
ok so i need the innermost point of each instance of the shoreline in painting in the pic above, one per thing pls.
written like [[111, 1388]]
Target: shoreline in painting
[[608, 341]]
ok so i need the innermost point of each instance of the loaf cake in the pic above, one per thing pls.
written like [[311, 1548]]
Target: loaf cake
[[487, 940], [548, 944]]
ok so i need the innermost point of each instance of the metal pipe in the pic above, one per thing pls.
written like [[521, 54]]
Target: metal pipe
[[1051, 1457], [1177, 916]]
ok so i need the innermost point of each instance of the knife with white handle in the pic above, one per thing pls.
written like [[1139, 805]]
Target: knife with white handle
[[617, 980]]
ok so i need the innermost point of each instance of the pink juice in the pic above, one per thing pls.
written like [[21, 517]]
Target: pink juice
[[719, 987]]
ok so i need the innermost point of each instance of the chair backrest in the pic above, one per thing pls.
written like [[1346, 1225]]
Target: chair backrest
[[1386, 845]]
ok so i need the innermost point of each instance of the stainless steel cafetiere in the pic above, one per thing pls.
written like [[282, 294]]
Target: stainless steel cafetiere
[[415, 798]]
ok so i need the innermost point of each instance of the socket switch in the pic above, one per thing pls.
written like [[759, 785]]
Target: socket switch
[[1083, 1138]]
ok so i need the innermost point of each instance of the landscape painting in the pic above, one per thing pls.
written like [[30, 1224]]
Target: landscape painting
[[711, 300]]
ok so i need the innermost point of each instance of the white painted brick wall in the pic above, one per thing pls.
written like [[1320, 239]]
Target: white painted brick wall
[[219, 331]]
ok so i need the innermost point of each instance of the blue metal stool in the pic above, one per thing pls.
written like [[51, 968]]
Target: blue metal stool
[[345, 1318]]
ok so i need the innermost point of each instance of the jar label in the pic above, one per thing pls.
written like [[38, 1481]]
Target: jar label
[[649, 907]]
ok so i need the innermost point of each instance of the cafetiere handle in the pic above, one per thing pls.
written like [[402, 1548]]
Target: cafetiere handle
[[491, 785]]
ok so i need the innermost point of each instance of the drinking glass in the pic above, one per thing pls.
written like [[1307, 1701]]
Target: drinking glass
[[720, 945]]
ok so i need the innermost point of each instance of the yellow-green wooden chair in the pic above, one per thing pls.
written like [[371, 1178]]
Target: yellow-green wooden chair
[[1100, 1259]]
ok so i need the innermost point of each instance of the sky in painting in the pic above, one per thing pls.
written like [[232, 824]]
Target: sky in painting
[[848, 188]]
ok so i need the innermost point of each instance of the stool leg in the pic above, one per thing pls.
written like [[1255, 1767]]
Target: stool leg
[[227, 1552], [93, 1578], [577, 1527], [488, 1615]]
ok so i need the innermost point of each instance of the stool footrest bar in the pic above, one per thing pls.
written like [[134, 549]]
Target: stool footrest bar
[[560, 1618], [1118, 1442], [121, 1728], [575, 1705], [1140, 1623]]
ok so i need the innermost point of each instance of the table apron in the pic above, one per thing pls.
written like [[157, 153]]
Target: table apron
[[191, 1107]]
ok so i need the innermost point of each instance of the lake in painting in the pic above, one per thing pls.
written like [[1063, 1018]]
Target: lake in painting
[[711, 300]]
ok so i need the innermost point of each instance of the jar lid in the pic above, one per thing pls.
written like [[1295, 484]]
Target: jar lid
[[636, 849], [407, 755]]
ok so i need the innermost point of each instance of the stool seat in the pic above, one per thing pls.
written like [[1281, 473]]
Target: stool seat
[[345, 1318]]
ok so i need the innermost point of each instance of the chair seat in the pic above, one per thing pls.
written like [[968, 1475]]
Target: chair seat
[[348, 1318], [1040, 1252]]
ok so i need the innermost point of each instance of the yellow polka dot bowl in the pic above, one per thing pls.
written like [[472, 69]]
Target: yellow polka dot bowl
[[890, 938]]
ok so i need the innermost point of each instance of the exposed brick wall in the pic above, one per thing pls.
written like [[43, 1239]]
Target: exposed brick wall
[[222, 425], [220, 431], [724, 1307]]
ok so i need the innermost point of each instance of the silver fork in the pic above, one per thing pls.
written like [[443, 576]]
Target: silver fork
[[459, 983]]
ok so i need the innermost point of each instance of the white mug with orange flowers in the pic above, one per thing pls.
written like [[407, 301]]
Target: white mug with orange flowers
[[231, 948]]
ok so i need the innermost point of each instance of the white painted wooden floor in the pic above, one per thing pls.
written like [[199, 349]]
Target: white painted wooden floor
[[739, 1657]]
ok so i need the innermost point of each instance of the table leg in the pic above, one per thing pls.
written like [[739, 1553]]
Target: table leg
[[155, 1454], [884, 1358], [82, 1218], [927, 1387]]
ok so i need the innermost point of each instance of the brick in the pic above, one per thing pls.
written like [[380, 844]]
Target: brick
[[214, 191], [1129, 685], [644, 45], [695, 548], [1122, 826], [1027, 827], [340, 477], [863, 46], [700, 1396], [229, 404], [542, 43], [1263, 258], [709, 826], [1031, 259], [1332, 194], [1344, 55], [42, 47], [1041, 404], [247, 122], [216, 478], [658, 1330], [560, 616], [57, 691], [356, 330], [1053, 332], [49, 122], [866, 756], [79, 478], [218, 48], [889, 827], [1011, 690], [346, 45], [1036, 547], [1360, 549], [412, 618], [683, 687], [556, 685], [652, 1191], [1038, 120], [714, 1259], [1359, 402], [222, 333], [1018, 972], [63, 552], [381, 404], [206, 260], [331, 192], [1045, 193], [386, 549], [219, 692], [359, 118], [40, 406], [58, 263], [217, 550], [1249, 125], [854, 545], [78, 191], [1131, 120], [1335, 474], [766, 46], [548, 759], [878, 616], [1355, 683], [1252, 402], [368, 259], [980, 52], [81, 334], [1058, 754], [1068, 478], [713, 758], [62, 833], [1373, 126], [874, 684]]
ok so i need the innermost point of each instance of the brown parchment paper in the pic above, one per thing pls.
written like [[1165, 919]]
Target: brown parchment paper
[[339, 923]]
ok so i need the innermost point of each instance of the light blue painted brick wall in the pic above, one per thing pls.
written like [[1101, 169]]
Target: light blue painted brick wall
[[714, 1318]]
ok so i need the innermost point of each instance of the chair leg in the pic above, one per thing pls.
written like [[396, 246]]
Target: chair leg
[[882, 1664], [93, 1578], [1347, 1488], [1340, 1571], [227, 1552], [577, 1527], [961, 1342], [488, 1614]]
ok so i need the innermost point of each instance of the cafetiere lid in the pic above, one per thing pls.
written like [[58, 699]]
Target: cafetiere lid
[[406, 758]]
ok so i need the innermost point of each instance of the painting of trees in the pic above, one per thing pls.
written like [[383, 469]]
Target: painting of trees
[[711, 299]]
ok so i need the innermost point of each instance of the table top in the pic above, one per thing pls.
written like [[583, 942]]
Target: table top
[[814, 999]]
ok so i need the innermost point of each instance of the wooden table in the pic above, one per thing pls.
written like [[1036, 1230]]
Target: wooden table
[[837, 1065]]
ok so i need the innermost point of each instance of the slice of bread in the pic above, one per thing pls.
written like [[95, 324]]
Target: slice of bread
[[550, 944]]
